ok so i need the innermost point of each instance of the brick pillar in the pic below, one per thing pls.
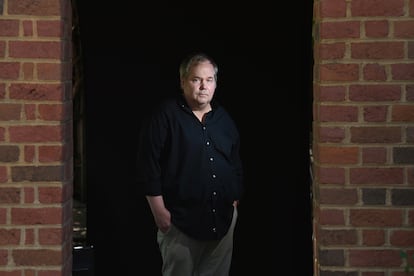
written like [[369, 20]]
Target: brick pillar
[[363, 143], [35, 138]]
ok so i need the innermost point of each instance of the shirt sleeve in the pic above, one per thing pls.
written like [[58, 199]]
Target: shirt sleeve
[[151, 141]]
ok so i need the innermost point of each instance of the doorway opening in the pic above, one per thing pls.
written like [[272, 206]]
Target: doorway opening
[[126, 76]]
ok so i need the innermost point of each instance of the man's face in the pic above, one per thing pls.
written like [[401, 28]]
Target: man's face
[[200, 84]]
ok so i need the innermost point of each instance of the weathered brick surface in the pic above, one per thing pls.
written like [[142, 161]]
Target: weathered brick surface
[[37, 173], [374, 92], [9, 153], [374, 196], [374, 237], [332, 257], [331, 217], [374, 155], [36, 216], [9, 237], [338, 237], [376, 176], [37, 257], [380, 258], [374, 134], [35, 138], [402, 197], [28, 7], [403, 155], [338, 196], [10, 195], [375, 217]]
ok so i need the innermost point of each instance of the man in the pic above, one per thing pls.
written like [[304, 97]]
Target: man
[[190, 168]]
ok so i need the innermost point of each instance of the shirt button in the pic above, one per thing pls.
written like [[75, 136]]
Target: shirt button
[[207, 143], [214, 193], [214, 229], [214, 210], [214, 176], [211, 159], [204, 127]]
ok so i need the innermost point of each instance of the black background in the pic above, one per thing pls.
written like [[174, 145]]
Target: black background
[[131, 58]]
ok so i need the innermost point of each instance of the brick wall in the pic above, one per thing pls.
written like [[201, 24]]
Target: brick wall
[[363, 137], [35, 138]]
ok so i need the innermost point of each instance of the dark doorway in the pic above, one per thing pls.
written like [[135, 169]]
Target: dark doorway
[[131, 56]]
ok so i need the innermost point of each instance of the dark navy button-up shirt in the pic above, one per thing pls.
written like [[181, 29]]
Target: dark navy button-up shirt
[[195, 166]]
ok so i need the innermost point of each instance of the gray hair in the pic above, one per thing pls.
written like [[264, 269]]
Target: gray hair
[[194, 59]]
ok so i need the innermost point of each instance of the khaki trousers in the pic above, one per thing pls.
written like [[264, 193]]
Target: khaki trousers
[[184, 256]]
